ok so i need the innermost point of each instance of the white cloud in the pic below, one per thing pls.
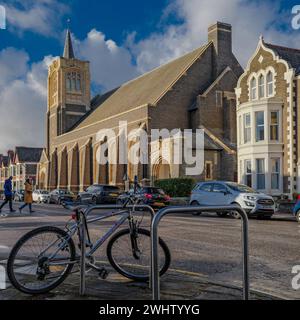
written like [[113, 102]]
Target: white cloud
[[42, 17], [23, 87], [23, 103], [249, 19], [111, 65]]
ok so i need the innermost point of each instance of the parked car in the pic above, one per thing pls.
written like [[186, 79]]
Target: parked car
[[99, 194], [296, 210], [152, 196], [19, 196], [57, 196], [40, 196], [220, 193]]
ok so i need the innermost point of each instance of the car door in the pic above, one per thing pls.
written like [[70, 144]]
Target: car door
[[220, 194], [204, 194]]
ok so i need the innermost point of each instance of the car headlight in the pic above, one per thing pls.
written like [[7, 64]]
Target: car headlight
[[251, 198]]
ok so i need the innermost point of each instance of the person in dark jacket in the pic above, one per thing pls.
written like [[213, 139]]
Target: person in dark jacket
[[8, 194]]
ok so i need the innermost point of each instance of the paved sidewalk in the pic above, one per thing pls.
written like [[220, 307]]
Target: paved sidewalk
[[175, 286]]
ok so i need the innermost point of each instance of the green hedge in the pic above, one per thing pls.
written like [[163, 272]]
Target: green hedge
[[176, 187]]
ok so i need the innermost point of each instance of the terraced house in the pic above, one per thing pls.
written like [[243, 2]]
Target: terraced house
[[21, 164], [268, 114], [193, 91]]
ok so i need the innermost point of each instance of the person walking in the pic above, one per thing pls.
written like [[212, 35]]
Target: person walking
[[27, 197], [8, 193]]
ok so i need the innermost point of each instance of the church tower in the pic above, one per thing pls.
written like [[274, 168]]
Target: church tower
[[68, 93]]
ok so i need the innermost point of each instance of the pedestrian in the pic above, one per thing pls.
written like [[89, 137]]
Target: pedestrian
[[27, 196], [8, 193]]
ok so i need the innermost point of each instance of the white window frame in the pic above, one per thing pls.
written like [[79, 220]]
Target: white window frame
[[253, 88], [246, 173], [261, 86], [270, 84], [272, 125], [260, 173], [277, 173], [259, 126], [246, 128]]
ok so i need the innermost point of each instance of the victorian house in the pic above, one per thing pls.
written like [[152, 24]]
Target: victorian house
[[268, 118]]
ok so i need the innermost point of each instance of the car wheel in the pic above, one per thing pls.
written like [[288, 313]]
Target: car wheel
[[222, 214], [195, 203], [298, 216]]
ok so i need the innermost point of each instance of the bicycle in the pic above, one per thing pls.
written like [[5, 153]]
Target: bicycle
[[45, 264]]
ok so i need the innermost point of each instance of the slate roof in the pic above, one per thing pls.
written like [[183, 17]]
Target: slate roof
[[292, 56], [146, 89], [25, 154]]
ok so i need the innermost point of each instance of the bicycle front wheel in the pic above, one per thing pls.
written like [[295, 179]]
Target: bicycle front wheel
[[135, 264], [41, 260]]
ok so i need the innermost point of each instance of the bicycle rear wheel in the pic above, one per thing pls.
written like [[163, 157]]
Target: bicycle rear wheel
[[41, 260], [136, 266]]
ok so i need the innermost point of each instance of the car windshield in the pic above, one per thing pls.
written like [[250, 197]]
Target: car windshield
[[240, 188]]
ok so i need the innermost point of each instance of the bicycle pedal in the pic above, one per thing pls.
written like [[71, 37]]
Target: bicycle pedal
[[103, 274]]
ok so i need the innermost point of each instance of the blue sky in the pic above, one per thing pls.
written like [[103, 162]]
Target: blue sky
[[121, 39]]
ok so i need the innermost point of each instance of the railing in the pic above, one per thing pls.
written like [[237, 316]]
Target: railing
[[83, 232], [155, 279]]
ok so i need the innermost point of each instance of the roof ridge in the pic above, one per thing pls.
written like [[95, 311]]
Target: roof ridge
[[165, 64], [282, 47]]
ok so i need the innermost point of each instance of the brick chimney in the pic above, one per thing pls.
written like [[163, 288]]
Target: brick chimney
[[220, 34]]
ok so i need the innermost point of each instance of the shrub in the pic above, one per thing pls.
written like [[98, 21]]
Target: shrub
[[176, 187]]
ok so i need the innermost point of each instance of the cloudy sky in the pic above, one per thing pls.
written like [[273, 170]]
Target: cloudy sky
[[121, 39]]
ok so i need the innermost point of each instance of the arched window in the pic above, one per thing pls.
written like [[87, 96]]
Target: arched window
[[78, 82], [261, 86], [69, 81], [270, 83], [253, 88]]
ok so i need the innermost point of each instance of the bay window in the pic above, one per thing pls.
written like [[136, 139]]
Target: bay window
[[260, 174], [275, 173], [260, 125], [248, 173], [247, 127], [274, 126]]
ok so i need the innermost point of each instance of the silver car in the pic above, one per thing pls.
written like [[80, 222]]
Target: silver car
[[220, 193]]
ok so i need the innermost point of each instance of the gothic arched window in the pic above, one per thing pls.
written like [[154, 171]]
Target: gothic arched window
[[270, 83], [253, 88], [261, 86], [69, 81]]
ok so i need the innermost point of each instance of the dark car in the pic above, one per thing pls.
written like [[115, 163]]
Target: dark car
[[99, 194], [58, 196], [19, 196], [152, 196]]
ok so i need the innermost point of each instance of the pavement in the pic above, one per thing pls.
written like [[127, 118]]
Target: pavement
[[174, 286], [206, 257]]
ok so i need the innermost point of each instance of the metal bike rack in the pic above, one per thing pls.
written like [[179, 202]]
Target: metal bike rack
[[155, 278], [83, 232]]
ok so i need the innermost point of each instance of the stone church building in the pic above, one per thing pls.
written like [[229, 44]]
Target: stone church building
[[268, 117], [193, 91]]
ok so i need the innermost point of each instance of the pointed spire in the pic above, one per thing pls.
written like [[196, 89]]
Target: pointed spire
[[68, 50]]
